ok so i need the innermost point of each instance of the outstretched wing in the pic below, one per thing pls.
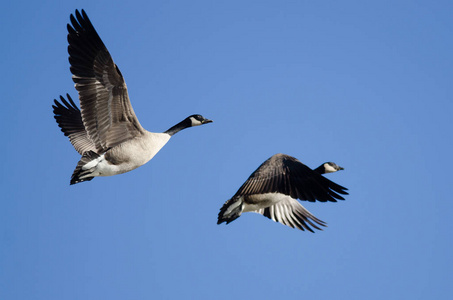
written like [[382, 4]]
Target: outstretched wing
[[291, 213], [70, 121], [286, 175], [106, 111]]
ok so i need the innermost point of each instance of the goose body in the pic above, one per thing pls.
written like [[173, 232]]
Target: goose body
[[272, 190], [105, 131]]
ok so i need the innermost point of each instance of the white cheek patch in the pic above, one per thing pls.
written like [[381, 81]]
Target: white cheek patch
[[329, 168], [195, 122]]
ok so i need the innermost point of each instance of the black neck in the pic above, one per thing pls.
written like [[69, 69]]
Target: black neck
[[178, 127], [320, 169]]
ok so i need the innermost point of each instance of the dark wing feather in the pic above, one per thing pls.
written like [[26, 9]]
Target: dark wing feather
[[69, 120], [107, 114], [285, 174]]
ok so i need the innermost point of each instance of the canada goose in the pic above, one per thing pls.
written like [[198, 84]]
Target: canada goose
[[273, 188], [105, 131]]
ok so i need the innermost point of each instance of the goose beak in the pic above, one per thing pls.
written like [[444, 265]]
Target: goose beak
[[206, 121], [340, 168]]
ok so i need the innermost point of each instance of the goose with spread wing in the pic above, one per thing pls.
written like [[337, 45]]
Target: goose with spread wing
[[273, 188], [105, 131]]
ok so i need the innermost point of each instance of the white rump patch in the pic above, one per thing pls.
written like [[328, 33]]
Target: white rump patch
[[233, 206], [93, 163]]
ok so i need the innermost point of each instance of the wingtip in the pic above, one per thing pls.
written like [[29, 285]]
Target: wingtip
[[72, 18], [84, 14], [78, 15]]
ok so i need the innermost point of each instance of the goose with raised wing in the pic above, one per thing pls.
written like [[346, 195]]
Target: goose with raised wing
[[105, 131], [273, 188]]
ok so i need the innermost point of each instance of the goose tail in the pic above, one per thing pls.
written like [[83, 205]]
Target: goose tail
[[85, 167], [231, 210]]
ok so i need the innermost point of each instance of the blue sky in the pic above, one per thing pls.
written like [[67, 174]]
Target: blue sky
[[367, 85]]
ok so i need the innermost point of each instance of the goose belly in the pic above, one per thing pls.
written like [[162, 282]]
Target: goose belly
[[258, 201], [131, 154]]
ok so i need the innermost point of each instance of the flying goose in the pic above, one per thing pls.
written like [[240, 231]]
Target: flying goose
[[105, 131], [273, 188]]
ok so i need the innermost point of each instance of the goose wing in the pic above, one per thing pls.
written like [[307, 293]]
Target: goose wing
[[106, 111], [286, 175], [70, 121], [291, 213]]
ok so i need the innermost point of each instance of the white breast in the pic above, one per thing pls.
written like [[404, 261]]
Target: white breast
[[153, 142], [131, 154]]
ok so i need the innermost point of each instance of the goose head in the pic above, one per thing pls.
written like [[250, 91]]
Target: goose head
[[196, 120], [190, 121], [330, 167]]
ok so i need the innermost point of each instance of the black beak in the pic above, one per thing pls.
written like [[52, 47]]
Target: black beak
[[206, 121]]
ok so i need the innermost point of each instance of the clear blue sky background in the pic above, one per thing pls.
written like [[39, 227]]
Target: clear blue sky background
[[365, 84]]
